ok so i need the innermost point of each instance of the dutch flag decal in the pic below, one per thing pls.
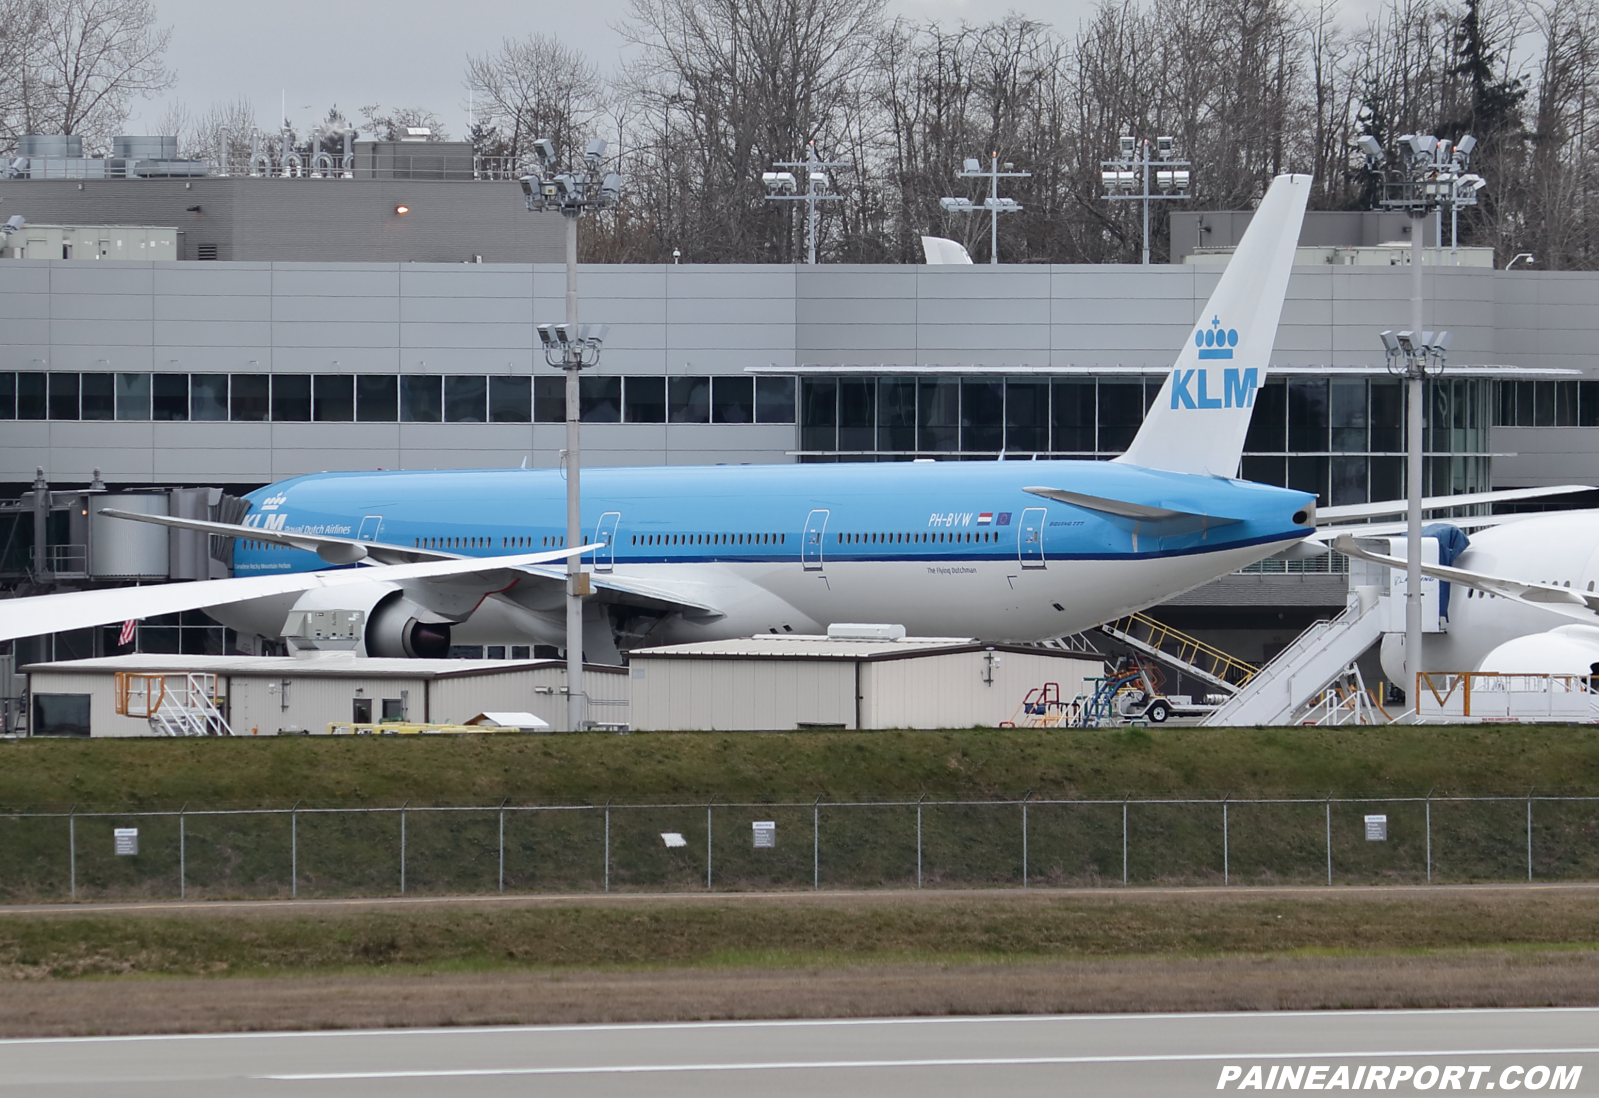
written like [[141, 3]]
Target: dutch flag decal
[[985, 518]]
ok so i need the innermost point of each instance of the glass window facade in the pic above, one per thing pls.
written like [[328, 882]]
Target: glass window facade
[[1547, 404], [1342, 438], [510, 399], [427, 398], [208, 396], [377, 398], [421, 398], [291, 398]]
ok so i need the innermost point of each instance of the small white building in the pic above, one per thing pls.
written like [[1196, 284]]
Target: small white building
[[271, 695], [770, 682], [149, 242]]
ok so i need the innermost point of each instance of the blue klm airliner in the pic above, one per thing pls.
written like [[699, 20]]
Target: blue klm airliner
[[998, 550]]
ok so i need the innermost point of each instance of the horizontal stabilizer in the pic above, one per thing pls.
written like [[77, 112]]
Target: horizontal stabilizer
[[1562, 600], [1352, 511], [1141, 512]]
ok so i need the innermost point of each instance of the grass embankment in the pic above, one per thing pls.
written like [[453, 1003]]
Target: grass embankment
[[839, 844], [826, 929], [687, 958], [798, 766]]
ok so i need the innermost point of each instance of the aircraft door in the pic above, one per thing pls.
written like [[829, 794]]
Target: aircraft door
[[811, 541], [369, 528], [1031, 535], [605, 534]]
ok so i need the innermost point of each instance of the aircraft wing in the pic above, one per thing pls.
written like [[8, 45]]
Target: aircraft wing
[[652, 595], [27, 617], [1351, 511], [1322, 539], [1141, 512], [331, 549], [1582, 605]]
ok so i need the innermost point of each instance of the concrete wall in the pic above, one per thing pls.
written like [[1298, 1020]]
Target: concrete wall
[[308, 220], [1340, 228]]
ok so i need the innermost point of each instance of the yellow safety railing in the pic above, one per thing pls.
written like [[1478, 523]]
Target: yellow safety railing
[[400, 728], [1190, 650]]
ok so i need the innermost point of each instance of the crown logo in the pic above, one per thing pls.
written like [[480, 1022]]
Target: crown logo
[[1216, 341]]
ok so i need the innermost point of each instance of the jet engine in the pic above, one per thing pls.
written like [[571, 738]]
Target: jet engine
[[399, 628], [377, 619], [1564, 650]]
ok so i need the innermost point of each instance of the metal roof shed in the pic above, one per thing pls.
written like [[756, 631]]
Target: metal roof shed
[[266, 695], [769, 682]]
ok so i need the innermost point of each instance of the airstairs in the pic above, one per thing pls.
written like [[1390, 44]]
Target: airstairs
[[1190, 655], [175, 705], [1299, 676], [1075, 642]]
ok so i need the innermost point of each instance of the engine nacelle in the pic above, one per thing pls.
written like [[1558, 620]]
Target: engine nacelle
[[1563, 650], [387, 622], [398, 628]]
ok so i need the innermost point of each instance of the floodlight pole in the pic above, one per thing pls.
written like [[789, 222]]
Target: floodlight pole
[[815, 184], [571, 348], [993, 175], [573, 366], [1173, 178], [1415, 412], [1419, 177]]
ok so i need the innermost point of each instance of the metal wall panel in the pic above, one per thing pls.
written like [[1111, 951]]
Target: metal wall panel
[[740, 695], [949, 691]]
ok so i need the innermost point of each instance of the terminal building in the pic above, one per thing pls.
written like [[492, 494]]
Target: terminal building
[[319, 329]]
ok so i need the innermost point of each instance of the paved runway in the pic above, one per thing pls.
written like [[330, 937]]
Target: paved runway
[[1189, 1054]]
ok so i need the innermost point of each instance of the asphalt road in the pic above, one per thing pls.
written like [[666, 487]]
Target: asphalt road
[[914, 1058]]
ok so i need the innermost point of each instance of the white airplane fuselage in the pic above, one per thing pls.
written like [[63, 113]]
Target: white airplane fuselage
[[1560, 548]]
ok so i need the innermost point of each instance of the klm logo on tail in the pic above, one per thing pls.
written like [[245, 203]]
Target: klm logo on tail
[[1191, 388], [1216, 341]]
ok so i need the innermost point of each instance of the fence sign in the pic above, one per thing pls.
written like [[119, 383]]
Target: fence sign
[[765, 834], [1376, 829], [127, 840]]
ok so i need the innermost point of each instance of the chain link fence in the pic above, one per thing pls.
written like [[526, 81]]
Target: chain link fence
[[1028, 843]]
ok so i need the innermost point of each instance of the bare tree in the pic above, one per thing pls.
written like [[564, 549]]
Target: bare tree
[[392, 124], [535, 87], [88, 59], [742, 83]]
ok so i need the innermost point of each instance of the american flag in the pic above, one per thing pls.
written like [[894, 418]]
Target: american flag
[[128, 629]]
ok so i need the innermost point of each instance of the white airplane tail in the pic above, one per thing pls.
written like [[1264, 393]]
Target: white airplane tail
[[1198, 422]]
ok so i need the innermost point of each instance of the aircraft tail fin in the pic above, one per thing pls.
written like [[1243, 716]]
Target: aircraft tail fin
[[1198, 422]]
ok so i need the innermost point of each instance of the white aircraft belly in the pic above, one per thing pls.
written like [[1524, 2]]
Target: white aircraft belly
[[988, 599]]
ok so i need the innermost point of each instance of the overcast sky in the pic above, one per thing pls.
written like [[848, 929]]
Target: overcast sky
[[311, 54], [315, 53]]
